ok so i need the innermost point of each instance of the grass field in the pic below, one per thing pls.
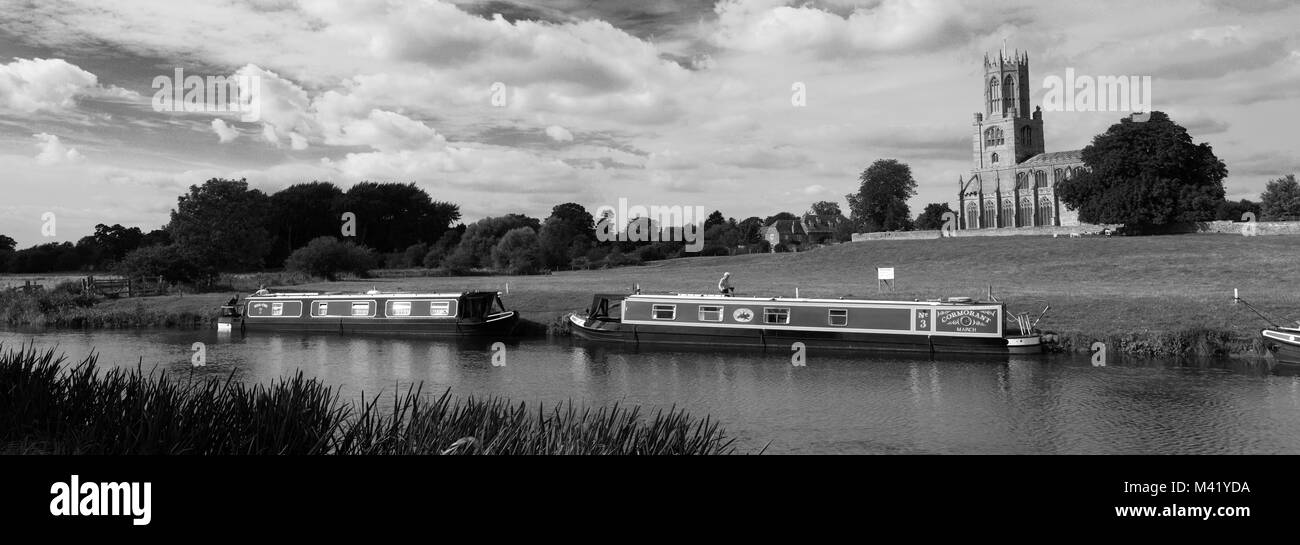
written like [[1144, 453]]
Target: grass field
[[1165, 295]]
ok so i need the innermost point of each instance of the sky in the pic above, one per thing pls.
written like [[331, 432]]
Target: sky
[[749, 107]]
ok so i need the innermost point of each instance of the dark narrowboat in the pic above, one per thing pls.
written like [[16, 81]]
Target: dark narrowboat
[[470, 313], [956, 325]]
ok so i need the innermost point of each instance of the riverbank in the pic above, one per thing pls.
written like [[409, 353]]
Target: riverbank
[[1163, 296]]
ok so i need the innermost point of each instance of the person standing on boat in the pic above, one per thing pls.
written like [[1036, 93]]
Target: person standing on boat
[[724, 285], [261, 290]]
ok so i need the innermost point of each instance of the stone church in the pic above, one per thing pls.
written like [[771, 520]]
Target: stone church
[[1013, 180]]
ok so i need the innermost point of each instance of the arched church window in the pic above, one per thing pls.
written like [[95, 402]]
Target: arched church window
[[993, 137], [995, 94], [995, 158], [1022, 181], [1008, 213], [1025, 212], [1040, 179], [1008, 94], [1044, 214], [972, 215], [1026, 134], [1057, 176], [990, 214]]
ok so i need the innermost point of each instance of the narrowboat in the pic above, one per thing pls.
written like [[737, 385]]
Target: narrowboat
[[470, 313], [955, 325], [1284, 343]]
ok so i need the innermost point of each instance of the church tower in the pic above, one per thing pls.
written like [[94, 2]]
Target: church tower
[[1007, 133]]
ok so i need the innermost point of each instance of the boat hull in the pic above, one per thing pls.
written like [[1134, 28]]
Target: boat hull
[[784, 339], [1284, 344], [497, 325]]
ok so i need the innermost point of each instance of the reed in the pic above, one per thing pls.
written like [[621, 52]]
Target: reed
[[51, 405]]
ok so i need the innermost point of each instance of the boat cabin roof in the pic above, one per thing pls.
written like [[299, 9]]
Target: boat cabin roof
[[689, 297], [387, 294]]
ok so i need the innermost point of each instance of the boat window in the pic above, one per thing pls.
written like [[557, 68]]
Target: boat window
[[776, 315], [838, 316], [322, 309], [664, 312], [710, 313], [277, 309], [399, 308], [361, 309], [440, 308]]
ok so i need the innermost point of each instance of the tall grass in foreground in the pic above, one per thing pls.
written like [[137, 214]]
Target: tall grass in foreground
[[48, 406]]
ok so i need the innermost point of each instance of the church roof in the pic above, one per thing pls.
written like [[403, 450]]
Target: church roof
[[1054, 157]]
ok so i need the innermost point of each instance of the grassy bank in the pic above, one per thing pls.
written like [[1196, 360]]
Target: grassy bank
[[1152, 296], [50, 406]]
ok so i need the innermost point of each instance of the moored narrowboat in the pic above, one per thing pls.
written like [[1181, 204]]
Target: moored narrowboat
[[956, 325], [470, 313]]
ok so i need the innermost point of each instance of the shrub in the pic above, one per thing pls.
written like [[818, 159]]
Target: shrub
[[328, 256], [168, 261], [518, 252]]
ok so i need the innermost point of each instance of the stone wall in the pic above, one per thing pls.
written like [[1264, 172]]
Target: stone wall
[[1261, 228]]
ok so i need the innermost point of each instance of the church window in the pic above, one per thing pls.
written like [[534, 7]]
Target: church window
[[1027, 134], [1044, 213], [1022, 181], [990, 214], [1009, 94], [972, 215], [1008, 214], [1026, 211], [995, 94], [993, 137], [1040, 179], [995, 158]]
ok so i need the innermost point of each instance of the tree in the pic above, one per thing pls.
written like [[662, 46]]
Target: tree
[[475, 246], [566, 234], [393, 216], [7, 244], [751, 230], [167, 261], [932, 217], [1236, 210], [826, 208], [881, 201], [714, 218], [302, 212], [518, 252], [1281, 199], [780, 216], [445, 246], [328, 256], [220, 226], [1145, 175]]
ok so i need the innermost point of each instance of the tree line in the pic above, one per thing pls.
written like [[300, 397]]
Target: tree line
[[224, 225]]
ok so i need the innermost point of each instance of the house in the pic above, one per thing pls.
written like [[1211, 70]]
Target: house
[[788, 232]]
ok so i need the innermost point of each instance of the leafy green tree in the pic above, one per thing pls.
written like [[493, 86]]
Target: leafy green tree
[[1281, 199], [1145, 175], [475, 246], [445, 246], [1235, 210], [220, 226], [518, 251], [7, 244], [302, 212], [932, 217], [825, 208], [715, 218], [779, 216], [392, 216], [567, 233], [751, 230], [328, 256], [881, 201], [167, 261]]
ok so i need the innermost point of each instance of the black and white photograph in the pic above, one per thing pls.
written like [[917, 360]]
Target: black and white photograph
[[282, 238]]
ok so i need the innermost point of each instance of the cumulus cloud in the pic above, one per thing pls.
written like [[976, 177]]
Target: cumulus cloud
[[889, 25], [53, 152], [559, 134], [224, 132], [31, 85]]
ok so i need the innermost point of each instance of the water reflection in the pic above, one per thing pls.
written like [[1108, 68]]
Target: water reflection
[[834, 404]]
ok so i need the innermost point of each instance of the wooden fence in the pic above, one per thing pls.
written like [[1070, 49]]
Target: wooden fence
[[124, 287]]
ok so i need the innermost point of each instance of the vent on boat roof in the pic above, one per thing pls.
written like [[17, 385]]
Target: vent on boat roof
[[960, 300]]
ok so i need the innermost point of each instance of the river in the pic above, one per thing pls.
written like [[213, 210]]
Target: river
[[833, 404]]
